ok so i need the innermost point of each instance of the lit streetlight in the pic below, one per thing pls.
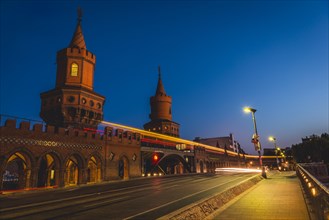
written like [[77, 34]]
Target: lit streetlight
[[277, 149], [255, 138]]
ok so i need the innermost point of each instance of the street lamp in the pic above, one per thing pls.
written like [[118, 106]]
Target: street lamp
[[255, 138], [277, 150]]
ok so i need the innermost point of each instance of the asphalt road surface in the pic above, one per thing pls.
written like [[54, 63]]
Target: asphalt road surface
[[144, 198]]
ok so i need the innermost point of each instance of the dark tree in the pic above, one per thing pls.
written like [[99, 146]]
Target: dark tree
[[312, 149]]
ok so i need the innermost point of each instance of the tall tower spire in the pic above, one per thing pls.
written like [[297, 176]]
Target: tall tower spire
[[159, 72], [160, 88], [161, 117], [73, 101], [78, 40]]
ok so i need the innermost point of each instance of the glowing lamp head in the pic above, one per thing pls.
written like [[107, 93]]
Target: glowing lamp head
[[271, 138], [248, 110]]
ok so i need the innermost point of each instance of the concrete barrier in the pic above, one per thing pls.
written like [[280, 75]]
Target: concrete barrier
[[204, 208]]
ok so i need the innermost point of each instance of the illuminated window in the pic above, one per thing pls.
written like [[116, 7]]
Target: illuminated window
[[74, 69]]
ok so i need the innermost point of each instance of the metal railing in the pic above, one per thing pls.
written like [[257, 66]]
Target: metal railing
[[317, 193]]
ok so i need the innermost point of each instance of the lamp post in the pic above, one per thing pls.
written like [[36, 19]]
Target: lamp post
[[277, 150], [255, 138]]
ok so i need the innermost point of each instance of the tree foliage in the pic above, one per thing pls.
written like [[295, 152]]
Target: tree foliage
[[312, 149]]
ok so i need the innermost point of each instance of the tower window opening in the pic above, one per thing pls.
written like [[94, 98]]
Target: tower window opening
[[74, 69]]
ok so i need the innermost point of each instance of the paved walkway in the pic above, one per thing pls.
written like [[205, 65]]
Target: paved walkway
[[277, 197]]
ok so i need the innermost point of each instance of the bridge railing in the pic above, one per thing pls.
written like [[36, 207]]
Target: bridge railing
[[316, 192]]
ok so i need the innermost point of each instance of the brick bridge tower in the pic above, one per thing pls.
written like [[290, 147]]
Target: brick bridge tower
[[161, 117], [73, 102]]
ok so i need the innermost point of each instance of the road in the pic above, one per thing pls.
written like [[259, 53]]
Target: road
[[145, 198]]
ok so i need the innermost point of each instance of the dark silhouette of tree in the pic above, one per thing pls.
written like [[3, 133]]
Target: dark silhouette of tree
[[312, 149]]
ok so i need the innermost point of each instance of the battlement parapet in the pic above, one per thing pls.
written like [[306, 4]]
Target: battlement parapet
[[37, 128], [77, 52], [10, 123], [109, 134], [24, 125]]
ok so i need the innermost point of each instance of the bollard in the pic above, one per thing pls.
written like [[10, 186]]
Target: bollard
[[264, 173]]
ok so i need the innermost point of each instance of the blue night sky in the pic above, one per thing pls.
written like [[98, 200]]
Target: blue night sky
[[216, 57]]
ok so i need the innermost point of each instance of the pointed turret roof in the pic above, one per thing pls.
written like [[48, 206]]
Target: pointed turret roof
[[160, 89], [78, 39]]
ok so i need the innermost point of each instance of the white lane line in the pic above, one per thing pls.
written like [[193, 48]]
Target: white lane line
[[77, 197], [185, 197], [105, 202]]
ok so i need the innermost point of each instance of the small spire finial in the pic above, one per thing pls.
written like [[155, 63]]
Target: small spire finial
[[79, 14], [159, 72]]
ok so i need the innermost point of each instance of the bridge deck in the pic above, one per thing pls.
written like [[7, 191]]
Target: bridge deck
[[278, 197]]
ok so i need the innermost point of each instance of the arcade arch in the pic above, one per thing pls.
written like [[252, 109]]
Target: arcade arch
[[94, 169], [73, 170], [174, 164], [48, 172], [17, 172]]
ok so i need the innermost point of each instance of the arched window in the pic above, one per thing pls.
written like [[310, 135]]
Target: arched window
[[74, 69]]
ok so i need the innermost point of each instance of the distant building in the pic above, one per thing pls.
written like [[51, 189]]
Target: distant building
[[226, 142], [161, 114], [269, 152]]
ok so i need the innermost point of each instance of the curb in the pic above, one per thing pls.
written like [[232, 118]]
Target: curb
[[206, 207]]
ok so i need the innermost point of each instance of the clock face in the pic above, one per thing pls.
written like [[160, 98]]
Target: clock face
[[99, 106], [84, 101]]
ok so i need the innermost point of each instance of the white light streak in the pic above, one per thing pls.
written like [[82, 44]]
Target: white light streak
[[237, 170]]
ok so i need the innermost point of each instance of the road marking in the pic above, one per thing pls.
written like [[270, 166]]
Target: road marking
[[108, 201], [185, 197], [76, 197]]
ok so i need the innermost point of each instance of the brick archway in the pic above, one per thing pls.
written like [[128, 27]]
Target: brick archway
[[74, 167], [17, 170], [94, 169], [49, 170]]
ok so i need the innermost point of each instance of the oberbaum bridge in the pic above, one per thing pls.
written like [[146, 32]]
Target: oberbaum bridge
[[74, 146]]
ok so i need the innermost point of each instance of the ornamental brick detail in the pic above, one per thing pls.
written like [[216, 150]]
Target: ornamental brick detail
[[47, 143]]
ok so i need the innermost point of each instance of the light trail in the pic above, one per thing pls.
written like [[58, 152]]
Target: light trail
[[182, 141], [237, 170]]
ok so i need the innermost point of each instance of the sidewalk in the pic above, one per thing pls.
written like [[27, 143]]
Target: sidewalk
[[277, 197]]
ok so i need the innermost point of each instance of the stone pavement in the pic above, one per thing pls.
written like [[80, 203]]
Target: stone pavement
[[278, 197]]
